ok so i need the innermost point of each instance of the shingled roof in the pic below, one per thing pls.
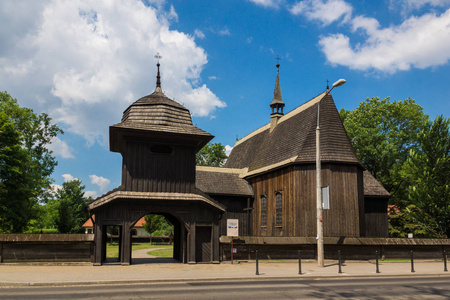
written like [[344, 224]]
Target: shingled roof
[[293, 140], [222, 181], [372, 188], [153, 114]]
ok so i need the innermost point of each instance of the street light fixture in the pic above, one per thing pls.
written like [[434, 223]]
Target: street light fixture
[[320, 251]]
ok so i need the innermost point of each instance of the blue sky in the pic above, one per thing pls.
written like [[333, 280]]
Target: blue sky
[[84, 61]]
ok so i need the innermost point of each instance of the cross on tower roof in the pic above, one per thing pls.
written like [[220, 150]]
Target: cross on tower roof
[[158, 56], [278, 58], [158, 76]]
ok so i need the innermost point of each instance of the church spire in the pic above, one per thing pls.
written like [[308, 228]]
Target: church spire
[[277, 103], [158, 76]]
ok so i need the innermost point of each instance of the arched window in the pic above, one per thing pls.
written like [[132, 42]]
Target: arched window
[[279, 209], [263, 211]]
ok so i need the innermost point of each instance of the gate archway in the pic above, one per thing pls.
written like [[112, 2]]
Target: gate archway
[[177, 239]]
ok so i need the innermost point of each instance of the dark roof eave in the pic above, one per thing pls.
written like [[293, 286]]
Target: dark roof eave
[[116, 134]]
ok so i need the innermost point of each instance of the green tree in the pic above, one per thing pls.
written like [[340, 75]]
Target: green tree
[[25, 162], [383, 133], [409, 219], [427, 172], [212, 154], [157, 225], [68, 208]]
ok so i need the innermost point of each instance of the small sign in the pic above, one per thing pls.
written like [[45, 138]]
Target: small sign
[[234, 250], [325, 197], [232, 227]]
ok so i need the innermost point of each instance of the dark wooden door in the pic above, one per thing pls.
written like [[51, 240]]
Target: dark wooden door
[[203, 244]]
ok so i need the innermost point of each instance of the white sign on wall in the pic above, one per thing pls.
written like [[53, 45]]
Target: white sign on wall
[[232, 227]]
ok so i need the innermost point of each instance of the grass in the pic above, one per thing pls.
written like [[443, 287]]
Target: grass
[[112, 249], [167, 251]]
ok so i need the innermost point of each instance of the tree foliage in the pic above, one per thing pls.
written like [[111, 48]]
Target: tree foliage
[[157, 225], [212, 154], [25, 162], [383, 133], [409, 155], [66, 208], [427, 172]]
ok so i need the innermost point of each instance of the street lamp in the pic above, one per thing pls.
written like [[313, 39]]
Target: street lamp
[[320, 252]]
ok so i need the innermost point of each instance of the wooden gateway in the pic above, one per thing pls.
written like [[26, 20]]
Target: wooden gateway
[[158, 143]]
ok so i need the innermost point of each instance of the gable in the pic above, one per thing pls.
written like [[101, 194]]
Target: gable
[[293, 140]]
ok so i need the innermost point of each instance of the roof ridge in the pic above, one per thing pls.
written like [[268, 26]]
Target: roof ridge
[[220, 169], [287, 116], [302, 107]]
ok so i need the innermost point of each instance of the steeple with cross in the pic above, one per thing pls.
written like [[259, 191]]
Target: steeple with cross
[[277, 103], [158, 76]]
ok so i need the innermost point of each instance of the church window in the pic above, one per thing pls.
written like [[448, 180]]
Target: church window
[[279, 209], [263, 211]]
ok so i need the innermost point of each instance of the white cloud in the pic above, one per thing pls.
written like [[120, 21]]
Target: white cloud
[[198, 33], [212, 77], [92, 194], [267, 3], [228, 149], [60, 148], [55, 187], [85, 61], [416, 4], [102, 182], [201, 98], [172, 15], [224, 31], [68, 177], [418, 42], [325, 12]]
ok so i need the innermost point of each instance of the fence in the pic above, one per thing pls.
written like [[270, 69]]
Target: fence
[[46, 247], [349, 248]]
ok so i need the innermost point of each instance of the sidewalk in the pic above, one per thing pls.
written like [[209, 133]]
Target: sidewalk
[[160, 271]]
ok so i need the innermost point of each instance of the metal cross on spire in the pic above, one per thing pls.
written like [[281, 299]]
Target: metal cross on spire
[[278, 58], [158, 76], [158, 56]]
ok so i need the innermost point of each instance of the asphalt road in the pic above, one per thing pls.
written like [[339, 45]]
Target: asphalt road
[[367, 288]]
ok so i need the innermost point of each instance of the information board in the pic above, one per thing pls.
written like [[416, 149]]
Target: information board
[[232, 227]]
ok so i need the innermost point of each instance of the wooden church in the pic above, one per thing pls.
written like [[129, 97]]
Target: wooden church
[[268, 182]]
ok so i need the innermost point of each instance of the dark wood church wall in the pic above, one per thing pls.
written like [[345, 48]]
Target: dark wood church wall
[[146, 169], [267, 185], [236, 208], [376, 218], [298, 187], [342, 219]]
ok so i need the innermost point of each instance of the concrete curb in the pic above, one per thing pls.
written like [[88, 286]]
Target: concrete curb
[[186, 280]]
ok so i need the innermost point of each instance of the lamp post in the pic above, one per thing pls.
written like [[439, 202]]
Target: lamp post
[[320, 252]]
